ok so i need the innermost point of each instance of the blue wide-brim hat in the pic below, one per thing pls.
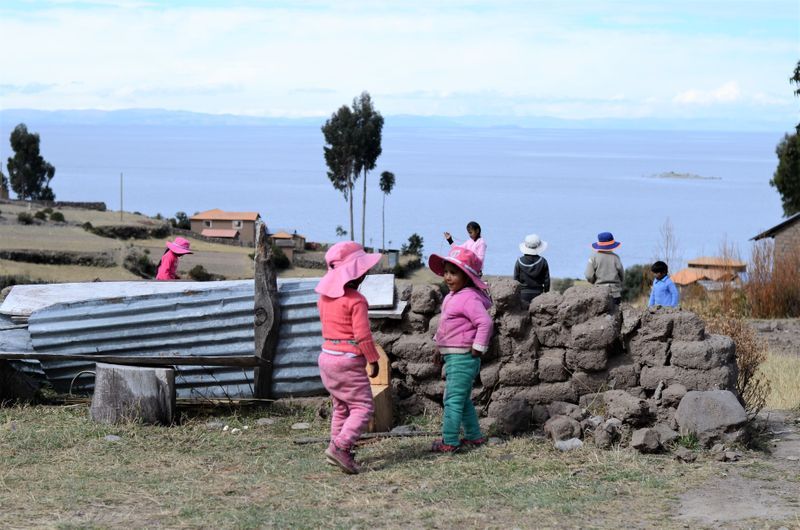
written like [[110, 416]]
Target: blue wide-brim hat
[[605, 241]]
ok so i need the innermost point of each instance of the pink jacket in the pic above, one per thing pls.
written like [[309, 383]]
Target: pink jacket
[[478, 247], [345, 324], [168, 269], [464, 322]]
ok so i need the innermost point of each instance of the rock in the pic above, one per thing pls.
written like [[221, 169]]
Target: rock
[[514, 324], [214, 425], [488, 425], [540, 415], [666, 435], [423, 370], [545, 307], [687, 326], [728, 456], [625, 407], [685, 455], [645, 440], [505, 294], [597, 333], [673, 394], [631, 320], [590, 360], [405, 429], [562, 428], [551, 336], [568, 445], [549, 392], [301, 426], [711, 415], [648, 352], [656, 325], [518, 373], [562, 408], [415, 405], [713, 352], [595, 421], [414, 323], [622, 375], [235, 430], [490, 375], [581, 302], [718, 448], [512, 416], [425, 299], [494, 440], [551, 365], [723, 377], [604, 438], [589, 382], [414, 348], [112, 438]]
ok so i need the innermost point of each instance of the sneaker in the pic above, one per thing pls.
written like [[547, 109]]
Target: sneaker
[[477, 442], [440, 447], [343, 458]]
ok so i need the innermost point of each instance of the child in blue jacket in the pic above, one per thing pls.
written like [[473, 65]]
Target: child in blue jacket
[[664, 291]]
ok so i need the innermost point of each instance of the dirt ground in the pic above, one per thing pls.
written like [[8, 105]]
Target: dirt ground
[[760, 491], [782, 335]]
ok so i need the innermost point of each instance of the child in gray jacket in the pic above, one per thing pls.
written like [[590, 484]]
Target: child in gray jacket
[[605, 267]]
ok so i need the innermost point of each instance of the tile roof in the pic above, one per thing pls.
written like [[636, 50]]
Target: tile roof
[[707, 261], [691, 275], [281, 235], [219, 232], [218, 215]]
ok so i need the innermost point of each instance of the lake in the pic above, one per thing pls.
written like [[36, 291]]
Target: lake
[[565, 185]]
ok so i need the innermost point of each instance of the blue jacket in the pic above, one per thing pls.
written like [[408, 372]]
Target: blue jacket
[[664, 293]]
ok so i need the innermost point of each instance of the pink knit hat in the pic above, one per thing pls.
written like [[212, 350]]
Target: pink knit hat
[[346, 261], [464, 259], [180, 246]]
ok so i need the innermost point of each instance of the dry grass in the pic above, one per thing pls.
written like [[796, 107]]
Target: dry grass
[[58, 471], [54, 237], [64, 273], [783, 374], [76, 215], [772, 288]]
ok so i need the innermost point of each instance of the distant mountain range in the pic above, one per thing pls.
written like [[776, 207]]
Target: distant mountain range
[[10, 117]]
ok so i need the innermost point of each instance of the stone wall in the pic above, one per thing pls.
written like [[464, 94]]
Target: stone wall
[[570, 349]]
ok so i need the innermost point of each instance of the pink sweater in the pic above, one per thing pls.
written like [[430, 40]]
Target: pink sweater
[[478, 247], [464, 322], [344, 321], [168, 270]]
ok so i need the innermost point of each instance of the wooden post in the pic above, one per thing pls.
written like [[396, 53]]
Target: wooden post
[[133, 393], [267, 313]]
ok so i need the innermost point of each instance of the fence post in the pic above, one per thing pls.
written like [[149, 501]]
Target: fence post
[[267, 313]]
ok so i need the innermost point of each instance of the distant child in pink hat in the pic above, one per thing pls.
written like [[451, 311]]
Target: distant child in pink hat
[[168, 266], [347, 348], [465, 329]]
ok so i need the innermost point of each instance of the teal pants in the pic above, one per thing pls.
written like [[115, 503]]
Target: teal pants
[[461, 371]]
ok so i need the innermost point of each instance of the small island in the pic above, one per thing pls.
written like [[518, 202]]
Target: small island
[[681, 176]]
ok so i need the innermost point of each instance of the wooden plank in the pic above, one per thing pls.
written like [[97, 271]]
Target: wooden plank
[[383, 417], [267, 313], [165, 360], [384, 369]]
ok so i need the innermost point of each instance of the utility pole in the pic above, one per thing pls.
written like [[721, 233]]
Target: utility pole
[[120, 196]]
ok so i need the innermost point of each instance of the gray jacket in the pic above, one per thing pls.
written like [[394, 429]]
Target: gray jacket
[[605, 268]]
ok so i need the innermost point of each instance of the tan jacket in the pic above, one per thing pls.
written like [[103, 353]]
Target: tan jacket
[[605, 268]]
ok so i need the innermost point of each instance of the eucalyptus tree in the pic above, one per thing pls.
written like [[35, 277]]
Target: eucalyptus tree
[[340, 154], [368, 133], [29, 173], [386, 184]]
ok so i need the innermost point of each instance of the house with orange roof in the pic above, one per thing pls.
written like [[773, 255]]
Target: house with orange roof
[[226, 225], [710, 272], [289, 243]]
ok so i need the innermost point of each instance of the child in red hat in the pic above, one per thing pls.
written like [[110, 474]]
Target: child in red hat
[[347, 348], [465, 329]]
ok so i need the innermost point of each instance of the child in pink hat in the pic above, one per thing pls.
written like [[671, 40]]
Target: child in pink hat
[[168, 266], [347, 348], [465, 329]]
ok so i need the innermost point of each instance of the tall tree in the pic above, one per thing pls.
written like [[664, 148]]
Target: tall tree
[[787, 175], [340, 154], [386, 184], [369, 129], [29, 173]]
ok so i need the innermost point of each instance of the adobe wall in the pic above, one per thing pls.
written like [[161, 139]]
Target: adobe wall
[[566, 348]]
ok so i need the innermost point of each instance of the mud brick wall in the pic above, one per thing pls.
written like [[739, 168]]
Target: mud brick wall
[[563, 348]]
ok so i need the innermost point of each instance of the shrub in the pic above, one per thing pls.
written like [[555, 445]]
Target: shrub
[[48, 210], [40, 215], [637, 282], [25, 218], [140, 264], [87, 226], [58, 217], [279, 259], [772, 289], [7, 280], [751, 384], [561, 284]]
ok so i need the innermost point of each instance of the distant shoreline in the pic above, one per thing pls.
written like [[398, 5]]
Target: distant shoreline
[[681, 176]]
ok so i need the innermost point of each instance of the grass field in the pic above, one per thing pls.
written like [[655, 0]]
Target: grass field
[[59, 471], [783, 372]]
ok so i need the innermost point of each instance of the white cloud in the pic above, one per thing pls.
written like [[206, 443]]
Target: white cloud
[[727, 93]]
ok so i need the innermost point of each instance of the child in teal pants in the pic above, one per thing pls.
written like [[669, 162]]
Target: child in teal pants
[[465, 329]]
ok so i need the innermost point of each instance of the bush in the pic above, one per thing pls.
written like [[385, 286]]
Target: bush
[[40, 215], [58, 217], [637, 282], [140, 264], [772, 289], [751, 385], [87, 226], [561, 284], [199, 273], [48, 210], [279, 259], [24, 218], [7, 280]]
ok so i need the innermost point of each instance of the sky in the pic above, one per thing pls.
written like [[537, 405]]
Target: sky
[[637, 59]]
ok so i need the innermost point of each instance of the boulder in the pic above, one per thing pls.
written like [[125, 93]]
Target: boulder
[[723, 377], [602, 438], [512, 416], [656, 325], [562, 408], [631, 320], [505, 294], [645, 440], [540, 414], [711, 415], [518, 373], [713, 352], [625, 407], [414, 348], [544, 307], [562, 428], [596, 333], [551, 365], [425, 299], [490, 375], [581, 302], [568, 445], [673, 394], [589, 360], [648, 352]]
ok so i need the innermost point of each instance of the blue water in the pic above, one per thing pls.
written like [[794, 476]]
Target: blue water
[[565, 185]]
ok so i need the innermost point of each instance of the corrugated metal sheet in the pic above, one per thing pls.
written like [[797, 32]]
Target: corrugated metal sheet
[[214, 322]]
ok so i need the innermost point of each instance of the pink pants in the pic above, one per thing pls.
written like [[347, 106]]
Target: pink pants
[[346, 380]]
